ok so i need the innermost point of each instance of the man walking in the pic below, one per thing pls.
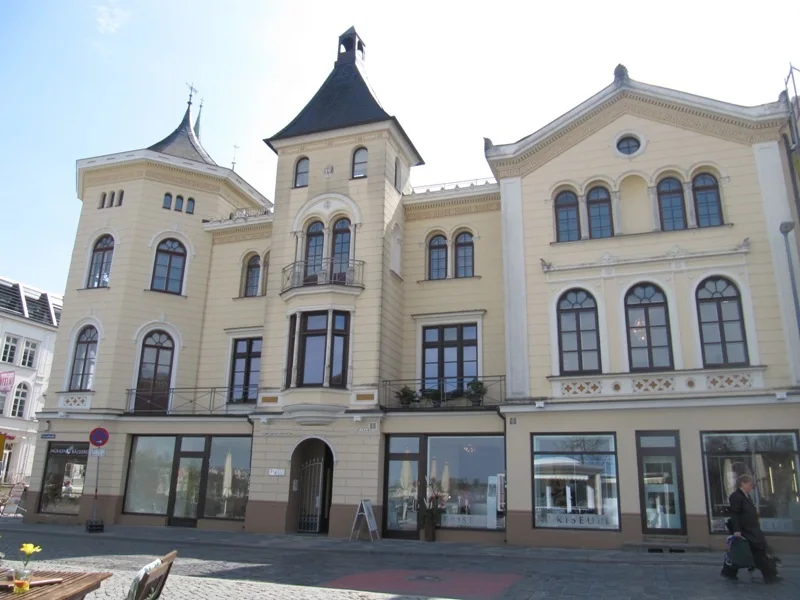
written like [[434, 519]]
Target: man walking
[[745, 524]]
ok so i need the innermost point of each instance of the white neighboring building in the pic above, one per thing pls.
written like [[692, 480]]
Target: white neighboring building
[[28, 326]]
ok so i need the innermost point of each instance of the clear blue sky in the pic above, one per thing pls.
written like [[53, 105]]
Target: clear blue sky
[[82, 78]]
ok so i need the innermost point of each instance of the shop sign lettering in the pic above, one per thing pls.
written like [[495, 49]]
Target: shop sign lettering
[[578, 520], [70, 451]]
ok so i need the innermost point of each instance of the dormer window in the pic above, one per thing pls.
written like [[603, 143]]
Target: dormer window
[[360, 158], [301, 173]]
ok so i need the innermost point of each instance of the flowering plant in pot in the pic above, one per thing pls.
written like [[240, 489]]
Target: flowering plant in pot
[[22, 577], [476, 391]]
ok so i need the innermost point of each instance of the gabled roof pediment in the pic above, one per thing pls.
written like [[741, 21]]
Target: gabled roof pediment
[[742, 124]]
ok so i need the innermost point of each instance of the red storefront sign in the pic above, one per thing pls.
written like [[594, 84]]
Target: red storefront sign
[[7, 381]]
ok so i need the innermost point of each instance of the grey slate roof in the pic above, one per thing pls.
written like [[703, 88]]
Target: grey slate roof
[[345, 99], [183, 142], [12, 296]]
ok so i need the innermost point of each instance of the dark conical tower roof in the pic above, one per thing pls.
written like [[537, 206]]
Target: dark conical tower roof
[[345, 99], [183, 142]]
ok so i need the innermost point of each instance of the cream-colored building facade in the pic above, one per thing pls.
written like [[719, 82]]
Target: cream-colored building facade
[[584, 351]]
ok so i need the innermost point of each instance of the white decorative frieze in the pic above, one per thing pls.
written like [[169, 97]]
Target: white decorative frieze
[[75, 400], [729, 381], [581, 387], [647, 385]]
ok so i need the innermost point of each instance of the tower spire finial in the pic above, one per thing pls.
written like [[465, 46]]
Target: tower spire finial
[[192, 91], [197, 120]]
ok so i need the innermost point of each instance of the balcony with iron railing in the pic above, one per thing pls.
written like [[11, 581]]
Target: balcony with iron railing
[[192, 401], [444, 393], [347, 273]]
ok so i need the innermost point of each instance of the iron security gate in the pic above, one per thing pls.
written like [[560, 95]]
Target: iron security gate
[[311, 479]]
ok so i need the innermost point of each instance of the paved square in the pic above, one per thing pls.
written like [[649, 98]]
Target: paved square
[[467, 585]]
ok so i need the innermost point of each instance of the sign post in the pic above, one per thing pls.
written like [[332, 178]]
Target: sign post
[[98, 438], [365, 514]]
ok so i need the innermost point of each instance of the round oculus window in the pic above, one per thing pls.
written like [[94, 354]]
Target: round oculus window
[[628, 145]]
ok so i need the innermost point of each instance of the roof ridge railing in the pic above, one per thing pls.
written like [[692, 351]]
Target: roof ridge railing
[[453, 185]]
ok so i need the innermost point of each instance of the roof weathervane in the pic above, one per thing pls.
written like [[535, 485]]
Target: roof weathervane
[[192, 90]]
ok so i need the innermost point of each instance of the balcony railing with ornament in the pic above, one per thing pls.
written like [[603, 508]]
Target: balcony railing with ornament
[[334, 271], [685, 382], [443, 393], [192, 401]]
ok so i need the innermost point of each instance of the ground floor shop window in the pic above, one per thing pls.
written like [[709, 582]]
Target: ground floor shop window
[[189, 477], [575, 481], [660, 482], [466, 472], [771, 458], [64, 474]]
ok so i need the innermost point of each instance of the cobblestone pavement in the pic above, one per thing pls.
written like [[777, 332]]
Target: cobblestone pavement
[[205, 571]]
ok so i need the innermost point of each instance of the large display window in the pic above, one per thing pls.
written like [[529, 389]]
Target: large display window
[[575, 483], [771, 458], [64, 475]]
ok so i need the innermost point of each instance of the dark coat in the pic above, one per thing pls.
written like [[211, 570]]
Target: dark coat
[[744, 518]]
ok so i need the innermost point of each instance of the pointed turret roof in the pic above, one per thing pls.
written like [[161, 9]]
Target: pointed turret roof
[[345, 99], [197, 121], [183, 142]]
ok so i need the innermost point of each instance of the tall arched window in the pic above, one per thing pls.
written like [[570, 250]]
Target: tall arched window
[[169, 267], [568, 224], [120, 197], [465, 255], [578, 333], [179, 203], [647, 319], [190, 206], [83, 362], [155, 373], [360, 157], [102, 200], [722, 333], [167, 203], [20, 396], [598, 204], [251, 276], [315, 247], [100, 266], [111, 199], [340, 255], [707, 205], [301, 173], [437, 257], [671, 207]]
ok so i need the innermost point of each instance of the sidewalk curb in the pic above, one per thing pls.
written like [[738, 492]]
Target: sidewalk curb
[[697, 558]]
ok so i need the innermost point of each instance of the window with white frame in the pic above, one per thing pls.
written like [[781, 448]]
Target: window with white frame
[[10, 349], [29, 354], [318, 350], [20, 396]]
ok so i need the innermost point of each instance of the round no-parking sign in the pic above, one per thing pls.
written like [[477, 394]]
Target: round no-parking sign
[[99, 437]]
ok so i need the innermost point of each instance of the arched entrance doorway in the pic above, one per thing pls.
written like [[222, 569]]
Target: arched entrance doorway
[[311, 488]]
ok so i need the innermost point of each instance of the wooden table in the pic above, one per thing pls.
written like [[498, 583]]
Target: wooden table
[[74, 587]]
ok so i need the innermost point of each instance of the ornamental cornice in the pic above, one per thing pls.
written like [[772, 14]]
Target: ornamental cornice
[[630, 102], [245, 232], [452, 207]]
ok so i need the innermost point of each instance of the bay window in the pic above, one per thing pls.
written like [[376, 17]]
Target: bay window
[[318, 349]]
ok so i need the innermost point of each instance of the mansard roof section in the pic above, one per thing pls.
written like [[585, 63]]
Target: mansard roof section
[[754, 118], [183, 142], [31, 304], [159, 158]]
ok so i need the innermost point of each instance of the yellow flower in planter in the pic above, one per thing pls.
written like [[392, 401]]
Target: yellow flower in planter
[[22, 577], [28, 550]]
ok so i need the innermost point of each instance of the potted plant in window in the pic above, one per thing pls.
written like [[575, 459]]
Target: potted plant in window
[[406, 396], [476, 392], [434, 395]]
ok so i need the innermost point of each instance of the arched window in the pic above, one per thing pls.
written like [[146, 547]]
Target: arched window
[[167, 201], [102, 200], [578, 333], [190, 206], [671, 207], [20, 396], [437, 257], [301, 173], [722, 334], [251, 276], [120, 197], [647, 319], [179, 203], [111, 200], [155, 373], [169, 267], [465, 255], [82, 374], [598, 204], [100, 266], [360, 157], [568, 225], [707, 205], [315, 247], [340, 251], [397, 174]]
